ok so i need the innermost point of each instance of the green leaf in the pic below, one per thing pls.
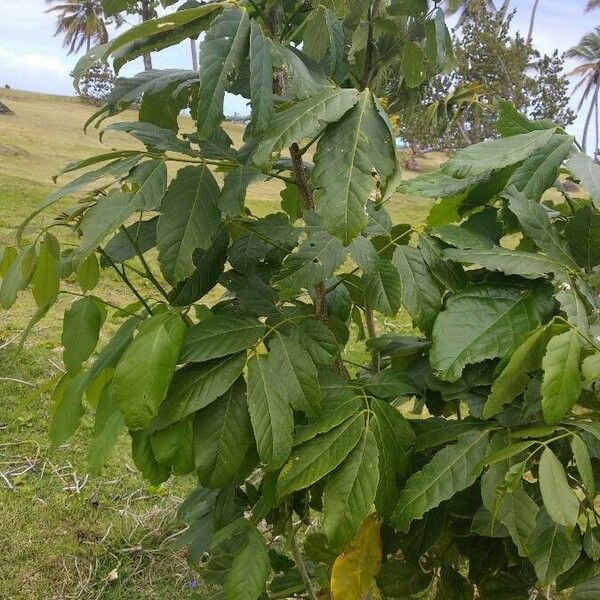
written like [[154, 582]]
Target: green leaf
[[124, 246], [155, 138], [319, 456], [553, 549], [173, 446], [413, 64], [509, 262], [510, 121], [451, 470], [271, 415], [480, 323], [438, 184], [149, 181], [46, 277], [136, 40], [559, 499], [222, 53], [115, 170], [109, 213], [235, 184], [591, 368], [295, 367], [81, 329], [250, 569], [67, 408], [350, 491], [343, 180], [393, 435], [561, 383], [108, 426], [383, 288], [315, 260], [588, 172], [591, 542], [496, 154], [583, 236], [196, 386], [220, 335], [398, 579], [261, 79], [421, 294], [209, 268], [588, 590], [88, 273], [144, 371], [536, 223], [513, 379], [305, 120], [190, 219], [453, 586], [540, 170], [144, 459], [223, 436], [584, 466]]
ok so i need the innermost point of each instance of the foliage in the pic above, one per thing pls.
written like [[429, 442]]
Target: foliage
[[458, 107], [313, 474], [80, 22], [96, 84]]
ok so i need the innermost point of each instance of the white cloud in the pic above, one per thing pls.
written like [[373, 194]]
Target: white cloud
[[34, 62]]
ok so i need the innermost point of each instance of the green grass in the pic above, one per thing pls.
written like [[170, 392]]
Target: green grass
[[63, 533]]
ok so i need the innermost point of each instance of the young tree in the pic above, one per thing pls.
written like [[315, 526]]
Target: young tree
[[311, 480]]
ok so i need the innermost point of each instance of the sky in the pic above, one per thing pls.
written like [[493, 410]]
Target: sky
[[32, 59]]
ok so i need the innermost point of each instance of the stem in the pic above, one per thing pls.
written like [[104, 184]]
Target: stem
[[149, 273], [309, 204], [372, 331], [301, 566], [366, 76], [126, 281]]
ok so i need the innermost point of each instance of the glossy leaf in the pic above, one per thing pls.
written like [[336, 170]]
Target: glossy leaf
[[561, 383], [220, 335], [249, 570], [350, 491], [271, 415], [559, 499], [451, 470], [190, 219], [343, 180], [479, 323], [144, 371]]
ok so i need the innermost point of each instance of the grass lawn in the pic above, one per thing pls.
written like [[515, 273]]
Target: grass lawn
[[63, 533]]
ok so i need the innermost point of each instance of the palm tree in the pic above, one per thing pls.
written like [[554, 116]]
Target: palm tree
[[467, 6], [587, 52], [79, 22], [532, 21]]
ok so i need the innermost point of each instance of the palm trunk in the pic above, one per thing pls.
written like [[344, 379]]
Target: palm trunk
[[597, 130], [194, 48], [589, 118], [532, 21], [147, 15], [504, 9]]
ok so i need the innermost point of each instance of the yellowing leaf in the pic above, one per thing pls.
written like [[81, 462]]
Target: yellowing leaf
[[354, 570]]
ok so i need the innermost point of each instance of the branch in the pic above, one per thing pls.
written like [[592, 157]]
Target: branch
[[126, 281], [301, 567]]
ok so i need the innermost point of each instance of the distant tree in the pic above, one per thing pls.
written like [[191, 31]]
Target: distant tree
[[459, 109], [587, 52], [80, 22], [592, 5], [96, 83]]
